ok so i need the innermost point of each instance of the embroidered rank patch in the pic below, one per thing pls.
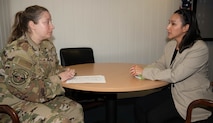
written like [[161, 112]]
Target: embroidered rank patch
[[19, 76]]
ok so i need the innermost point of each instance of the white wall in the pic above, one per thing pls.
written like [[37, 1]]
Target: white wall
[[131, 31], [4, 22]]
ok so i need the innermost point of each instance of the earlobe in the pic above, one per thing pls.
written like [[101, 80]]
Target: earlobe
[[186, 28], [31, 24]]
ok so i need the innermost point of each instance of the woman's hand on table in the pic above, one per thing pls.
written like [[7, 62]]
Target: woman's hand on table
[[136, 70], [67, 74]]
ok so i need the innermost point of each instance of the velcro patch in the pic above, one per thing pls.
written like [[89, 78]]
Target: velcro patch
[[19, 76]]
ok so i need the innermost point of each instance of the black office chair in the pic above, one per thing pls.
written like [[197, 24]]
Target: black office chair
[[78, 55], [81, 55]]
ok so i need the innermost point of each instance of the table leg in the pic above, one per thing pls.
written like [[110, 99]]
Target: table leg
[[111, 108]]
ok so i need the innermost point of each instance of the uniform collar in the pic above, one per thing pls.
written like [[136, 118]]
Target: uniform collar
[[31, 42]]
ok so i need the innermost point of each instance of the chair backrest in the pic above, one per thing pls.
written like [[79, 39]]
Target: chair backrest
[[10, 111], [201, 103], [77, 55]]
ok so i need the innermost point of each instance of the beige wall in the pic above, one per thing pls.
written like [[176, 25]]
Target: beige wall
[[118, 30], [131, 31]]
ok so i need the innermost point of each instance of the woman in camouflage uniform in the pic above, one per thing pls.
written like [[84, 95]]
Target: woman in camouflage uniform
[[32, 74]]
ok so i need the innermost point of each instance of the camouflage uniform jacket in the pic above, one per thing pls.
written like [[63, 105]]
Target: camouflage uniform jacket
[[31, 70]]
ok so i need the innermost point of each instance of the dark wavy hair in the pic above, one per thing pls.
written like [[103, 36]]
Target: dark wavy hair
[[22, 18], [193, 34]]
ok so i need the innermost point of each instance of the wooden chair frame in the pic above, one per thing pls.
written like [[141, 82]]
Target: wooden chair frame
[[202, 103], [10, 111]]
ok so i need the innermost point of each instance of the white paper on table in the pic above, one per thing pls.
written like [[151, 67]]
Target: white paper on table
[[87, 79]]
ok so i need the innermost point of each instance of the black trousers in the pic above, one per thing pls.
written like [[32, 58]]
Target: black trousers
[[157, 107]]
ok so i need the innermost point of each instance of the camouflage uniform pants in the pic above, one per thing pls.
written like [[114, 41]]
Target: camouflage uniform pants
[[59, 110]]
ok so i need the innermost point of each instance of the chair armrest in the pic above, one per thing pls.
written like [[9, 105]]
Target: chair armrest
[[202, 103], [10, 111]]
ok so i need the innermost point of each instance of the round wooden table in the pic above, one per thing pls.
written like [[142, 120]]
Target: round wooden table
[[118, 79]]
